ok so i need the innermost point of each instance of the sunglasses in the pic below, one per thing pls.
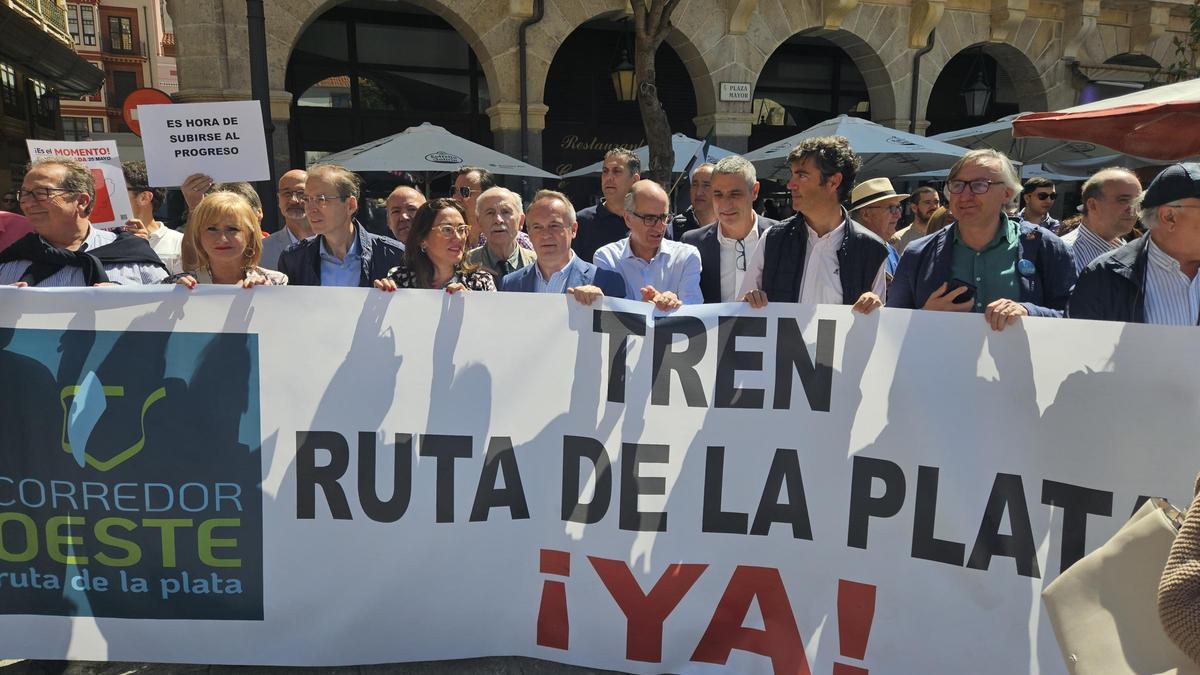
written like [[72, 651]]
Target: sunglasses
[[1047, 195], [463, 191]]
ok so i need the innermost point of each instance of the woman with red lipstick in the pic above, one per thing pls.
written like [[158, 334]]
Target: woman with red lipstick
[[223, 230], [433, 254]]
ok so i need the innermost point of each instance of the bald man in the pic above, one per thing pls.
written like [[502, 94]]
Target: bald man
[[402, 205], [655, 268], [295, 223]]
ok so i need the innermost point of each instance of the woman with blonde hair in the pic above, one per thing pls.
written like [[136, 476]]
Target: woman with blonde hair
[[223, 231]]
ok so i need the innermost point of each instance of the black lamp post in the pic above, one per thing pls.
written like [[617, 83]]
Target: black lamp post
[[623, 77], [978, 94]]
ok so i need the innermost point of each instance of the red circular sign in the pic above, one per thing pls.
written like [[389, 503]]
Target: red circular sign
[[143, 96]]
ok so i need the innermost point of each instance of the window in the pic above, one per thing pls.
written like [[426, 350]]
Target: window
[[75, 129], [98, 125], [87, 23], [124, 82], [8, 85], [120, 33], [73, 22]]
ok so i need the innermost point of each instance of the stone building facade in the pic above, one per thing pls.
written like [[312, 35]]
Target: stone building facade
[[1050, 50]]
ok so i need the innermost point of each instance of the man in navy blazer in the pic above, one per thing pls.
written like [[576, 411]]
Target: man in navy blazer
[[550, 222], [728, 244]]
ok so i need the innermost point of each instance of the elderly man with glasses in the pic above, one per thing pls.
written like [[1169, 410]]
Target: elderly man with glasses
[[876, 205], [342, 253], [727, 245], [1152, 279], [655, 268], [57, 196], [986, 262], [290, 198]]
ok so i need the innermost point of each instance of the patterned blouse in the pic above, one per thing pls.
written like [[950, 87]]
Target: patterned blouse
[[477, 280], [204, 276]]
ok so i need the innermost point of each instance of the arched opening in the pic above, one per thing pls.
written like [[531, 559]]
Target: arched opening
[[1118, 75], [956, 101], [806, 81], [586, 119], [364, 70]]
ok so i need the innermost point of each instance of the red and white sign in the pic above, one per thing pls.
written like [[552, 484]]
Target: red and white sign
[[112, 206], [143, 96]]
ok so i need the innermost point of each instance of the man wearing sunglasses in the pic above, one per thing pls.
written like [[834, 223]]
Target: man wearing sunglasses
[[655, 268], [876, 205], [985, 262], [1152, 279], [57, 196], [342, 253], [1037, 198], [727, 245]]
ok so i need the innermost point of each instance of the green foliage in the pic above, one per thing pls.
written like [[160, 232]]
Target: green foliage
[[1187, 48]]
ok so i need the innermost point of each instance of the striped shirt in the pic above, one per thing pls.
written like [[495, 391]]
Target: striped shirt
[[1086, 246], [1172, 299], [133, 274]]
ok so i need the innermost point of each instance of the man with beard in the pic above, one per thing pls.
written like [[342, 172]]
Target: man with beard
[[923, 202], [295, 222]]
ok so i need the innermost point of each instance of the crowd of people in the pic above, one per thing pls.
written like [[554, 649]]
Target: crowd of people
[[1131, 254]]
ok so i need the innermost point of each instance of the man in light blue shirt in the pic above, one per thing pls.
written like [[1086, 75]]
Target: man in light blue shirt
[[655, 268]]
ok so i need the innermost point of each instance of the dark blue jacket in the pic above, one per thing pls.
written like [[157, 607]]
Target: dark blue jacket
[[926, 264], [859, 257], [705, 239], [583, 273], [301, 261], [1112, 287]]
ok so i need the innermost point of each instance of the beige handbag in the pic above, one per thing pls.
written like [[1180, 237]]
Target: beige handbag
[[1104, 608]]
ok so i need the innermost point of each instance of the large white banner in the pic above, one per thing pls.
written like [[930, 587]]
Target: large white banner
[[341, 476]]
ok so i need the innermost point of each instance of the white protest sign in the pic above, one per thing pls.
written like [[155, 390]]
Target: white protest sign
[[224, 140], [112, 206]]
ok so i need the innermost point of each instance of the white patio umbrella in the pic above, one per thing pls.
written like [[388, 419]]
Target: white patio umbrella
[[999, 136], [431, 149], [686, 149], [885, 151]]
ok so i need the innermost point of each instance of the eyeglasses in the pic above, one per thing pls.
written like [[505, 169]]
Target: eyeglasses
[[289, 195], [1183, 206], [39, 194], [1047, 195], [452, 231], [652, 219], [464, 191], [893, 208], [320, 201], [977, 186], [739, 247]]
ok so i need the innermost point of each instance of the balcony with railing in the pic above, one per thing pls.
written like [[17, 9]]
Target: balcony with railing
[[117, 47], [48, 14]]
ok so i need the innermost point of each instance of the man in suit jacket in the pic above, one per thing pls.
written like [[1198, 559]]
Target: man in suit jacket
[[342, 253], [726, 245], [295, 222], [551, 224]]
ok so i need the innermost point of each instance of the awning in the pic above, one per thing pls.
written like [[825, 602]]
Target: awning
[[46, 58]]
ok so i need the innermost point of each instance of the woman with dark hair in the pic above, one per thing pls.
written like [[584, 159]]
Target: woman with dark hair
[[433, 254]]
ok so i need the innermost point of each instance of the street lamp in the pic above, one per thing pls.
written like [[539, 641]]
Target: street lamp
[[978, 94], [623, 77]]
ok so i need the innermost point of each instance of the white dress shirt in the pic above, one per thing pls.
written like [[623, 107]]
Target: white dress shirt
[[732, 273], [168, 244], [822, 283], [1172, 299], [135, 274]]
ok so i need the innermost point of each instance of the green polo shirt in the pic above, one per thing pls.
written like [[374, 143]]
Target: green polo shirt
[[994, 269]]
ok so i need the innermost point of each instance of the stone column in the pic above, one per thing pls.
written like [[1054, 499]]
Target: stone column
[[506, 132], [731, 129]]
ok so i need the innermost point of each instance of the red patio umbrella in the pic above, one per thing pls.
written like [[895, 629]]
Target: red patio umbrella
[[1159, 123]]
